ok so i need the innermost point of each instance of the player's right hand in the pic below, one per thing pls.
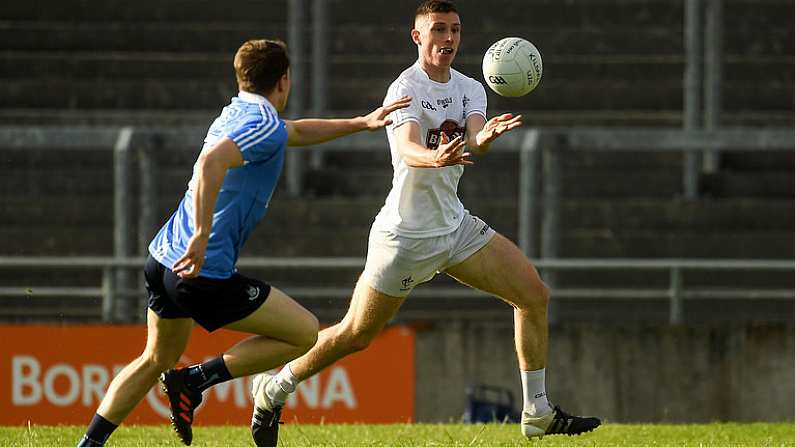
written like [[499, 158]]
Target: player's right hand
[[451, 152], [190, 264]]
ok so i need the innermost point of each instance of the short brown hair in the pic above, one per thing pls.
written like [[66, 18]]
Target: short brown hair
[[259, 64], [431, 6]]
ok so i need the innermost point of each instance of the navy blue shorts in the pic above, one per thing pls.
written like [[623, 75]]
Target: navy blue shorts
[[211, 302]]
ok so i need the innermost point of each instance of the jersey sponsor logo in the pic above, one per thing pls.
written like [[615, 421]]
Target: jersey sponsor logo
[[499, 80], [427, 105], [449, 127], [444, 102]]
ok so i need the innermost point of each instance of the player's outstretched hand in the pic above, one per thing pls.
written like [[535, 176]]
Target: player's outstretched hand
[[451, 152], [190, 264], [497, 126], [378, 118]]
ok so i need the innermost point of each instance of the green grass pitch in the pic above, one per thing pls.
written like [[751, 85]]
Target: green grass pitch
[[293, 435]]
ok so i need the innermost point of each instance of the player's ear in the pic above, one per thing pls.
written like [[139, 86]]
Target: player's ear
[[284, 81], [415, 36]]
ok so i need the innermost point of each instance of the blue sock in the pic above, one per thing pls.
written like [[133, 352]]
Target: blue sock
[[202, 376], [98, 432]]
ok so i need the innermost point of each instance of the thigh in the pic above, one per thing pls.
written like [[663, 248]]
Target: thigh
[[499, 268], [279, 317], [370, 310], [166, 338]]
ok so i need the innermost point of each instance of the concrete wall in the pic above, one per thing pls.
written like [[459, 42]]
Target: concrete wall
[[621, 374]]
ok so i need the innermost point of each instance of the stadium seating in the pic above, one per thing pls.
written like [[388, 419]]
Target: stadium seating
[[164, 63]]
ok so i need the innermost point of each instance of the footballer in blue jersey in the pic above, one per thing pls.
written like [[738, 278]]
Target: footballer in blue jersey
[[190, 273], [253, 124]]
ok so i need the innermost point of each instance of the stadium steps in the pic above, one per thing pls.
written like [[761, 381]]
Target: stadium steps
[[218, 37], [145, 48], [703, 216], [338, 227], [100, 11], [106, 117], [534, 118], [143, 93], [680, 244], [50, 309], [606, 227], [534, 13], [116, 64], [145, 62]]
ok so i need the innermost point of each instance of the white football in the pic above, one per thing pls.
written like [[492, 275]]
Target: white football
[[512, 67]]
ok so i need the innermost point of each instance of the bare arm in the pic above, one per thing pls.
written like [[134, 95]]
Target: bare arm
[[416, 155], [211, 169], [480, 133], [308, 131]]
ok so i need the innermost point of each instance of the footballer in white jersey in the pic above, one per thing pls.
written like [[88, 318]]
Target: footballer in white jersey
[[424, 229]]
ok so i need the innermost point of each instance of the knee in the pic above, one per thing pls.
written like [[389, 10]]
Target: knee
[[307, 337], [158, 361], [535, 298], [357, 339]]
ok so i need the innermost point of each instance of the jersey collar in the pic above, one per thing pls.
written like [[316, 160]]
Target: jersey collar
[[431, 81], [253, 97]]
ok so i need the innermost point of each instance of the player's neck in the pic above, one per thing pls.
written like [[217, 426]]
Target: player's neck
[[435, 73]]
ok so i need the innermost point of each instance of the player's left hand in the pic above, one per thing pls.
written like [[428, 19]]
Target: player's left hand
[[497, 126], [378, 118], [190, 264]]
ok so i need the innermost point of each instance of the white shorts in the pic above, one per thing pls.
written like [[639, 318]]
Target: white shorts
[[396, 264]]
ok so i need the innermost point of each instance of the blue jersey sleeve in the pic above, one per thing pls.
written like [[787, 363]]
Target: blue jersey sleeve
[[259, 136]]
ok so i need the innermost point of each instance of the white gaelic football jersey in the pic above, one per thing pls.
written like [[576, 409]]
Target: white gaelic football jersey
[[424, 202]]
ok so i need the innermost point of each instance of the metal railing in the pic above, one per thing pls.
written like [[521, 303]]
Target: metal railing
[[540, 152], [555, 142], [676, 293], [529, 143]]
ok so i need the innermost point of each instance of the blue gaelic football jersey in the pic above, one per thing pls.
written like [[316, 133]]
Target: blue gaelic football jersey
[[254, 125]]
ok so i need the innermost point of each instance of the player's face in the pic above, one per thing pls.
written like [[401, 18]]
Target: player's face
[[438, 36]]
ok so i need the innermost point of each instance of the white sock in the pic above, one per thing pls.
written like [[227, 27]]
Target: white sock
[[281, 386], [535, 392]]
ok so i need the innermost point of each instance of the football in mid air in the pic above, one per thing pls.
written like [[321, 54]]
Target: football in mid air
[[512, 67]]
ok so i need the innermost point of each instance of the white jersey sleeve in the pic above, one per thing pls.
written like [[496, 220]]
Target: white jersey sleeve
[[411, 113], [475, 99]]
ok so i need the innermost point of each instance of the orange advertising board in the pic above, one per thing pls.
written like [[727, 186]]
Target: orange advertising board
[[58, 375]]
